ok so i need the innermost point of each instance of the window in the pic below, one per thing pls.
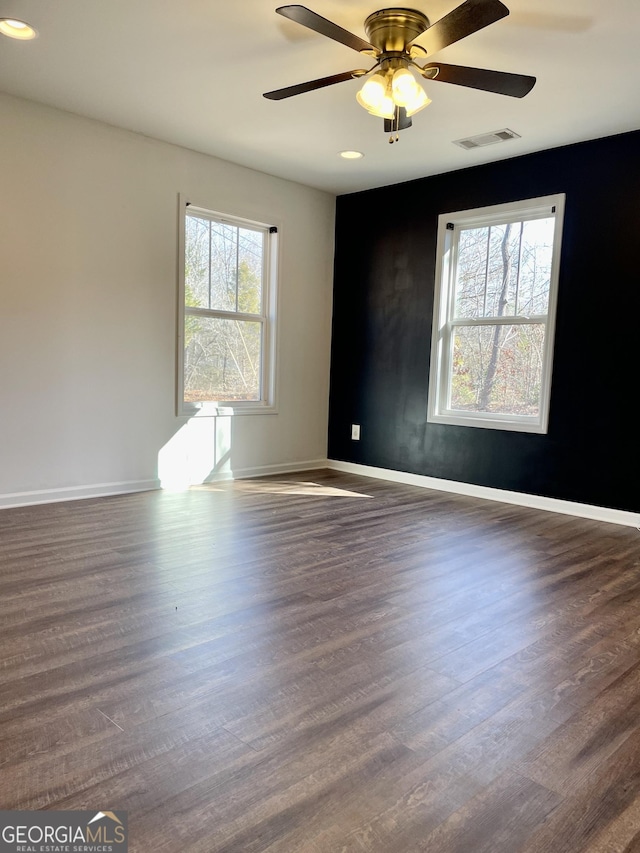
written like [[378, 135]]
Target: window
[[496, 284], [227, 323]]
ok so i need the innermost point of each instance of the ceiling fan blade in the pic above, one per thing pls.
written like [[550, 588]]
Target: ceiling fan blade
[[300, 88], [468, 18], [500, 82], [304, 16]]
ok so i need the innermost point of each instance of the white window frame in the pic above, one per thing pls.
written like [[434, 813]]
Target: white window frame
[[449, 225], [268, 318]]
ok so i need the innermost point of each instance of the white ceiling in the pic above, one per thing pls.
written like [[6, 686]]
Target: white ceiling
[[193, 72]]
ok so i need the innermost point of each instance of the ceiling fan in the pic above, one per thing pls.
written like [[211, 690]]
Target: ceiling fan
[[391, 90]]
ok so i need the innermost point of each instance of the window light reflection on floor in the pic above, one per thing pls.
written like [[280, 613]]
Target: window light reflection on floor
[[297, 488]]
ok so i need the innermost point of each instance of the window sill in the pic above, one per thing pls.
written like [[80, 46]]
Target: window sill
[[533, 426], [222, 410]]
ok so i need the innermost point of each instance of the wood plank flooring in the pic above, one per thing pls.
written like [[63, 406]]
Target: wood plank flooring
[[323, 663]]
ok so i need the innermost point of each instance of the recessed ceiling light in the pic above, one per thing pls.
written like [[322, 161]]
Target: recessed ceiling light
[[16, 29], [352, 155]]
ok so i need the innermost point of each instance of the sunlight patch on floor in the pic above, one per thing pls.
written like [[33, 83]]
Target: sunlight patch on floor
[[301, 488]]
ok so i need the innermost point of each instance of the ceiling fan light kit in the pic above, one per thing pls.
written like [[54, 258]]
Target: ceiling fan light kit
[[391, 90], [384, 92]]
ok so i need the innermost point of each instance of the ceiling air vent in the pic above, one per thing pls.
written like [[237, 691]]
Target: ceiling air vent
[[487, 139]]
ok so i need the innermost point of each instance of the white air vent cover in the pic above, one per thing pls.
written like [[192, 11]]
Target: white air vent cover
[[487, 139]]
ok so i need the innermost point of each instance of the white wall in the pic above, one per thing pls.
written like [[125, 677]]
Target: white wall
[[88, 279]]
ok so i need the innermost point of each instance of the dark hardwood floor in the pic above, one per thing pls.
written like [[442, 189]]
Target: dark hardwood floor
[[323, 663]]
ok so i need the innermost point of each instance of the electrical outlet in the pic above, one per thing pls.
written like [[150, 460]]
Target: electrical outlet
[[355, 432]]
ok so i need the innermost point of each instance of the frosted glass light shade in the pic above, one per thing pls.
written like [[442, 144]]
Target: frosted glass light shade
[[421, 101], [386, 109], [404, 87], [373, 92]]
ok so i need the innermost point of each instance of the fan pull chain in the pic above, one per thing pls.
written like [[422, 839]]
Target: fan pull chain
[[395, 137]]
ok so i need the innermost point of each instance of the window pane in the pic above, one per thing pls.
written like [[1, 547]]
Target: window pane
[[504, 269], [196, 263], [250, 271], [221, 359], [224, 266], [471, 273], [497, 369], [535, 275]]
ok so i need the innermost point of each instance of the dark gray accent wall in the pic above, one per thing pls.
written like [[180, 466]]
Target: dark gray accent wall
[[383, 303]]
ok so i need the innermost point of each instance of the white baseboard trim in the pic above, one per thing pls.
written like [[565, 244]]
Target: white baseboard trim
[[596, 513], [99, 490], [281, 468], [74, 493]]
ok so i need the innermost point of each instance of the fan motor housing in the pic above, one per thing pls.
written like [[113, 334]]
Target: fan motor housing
[[394, 29]]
